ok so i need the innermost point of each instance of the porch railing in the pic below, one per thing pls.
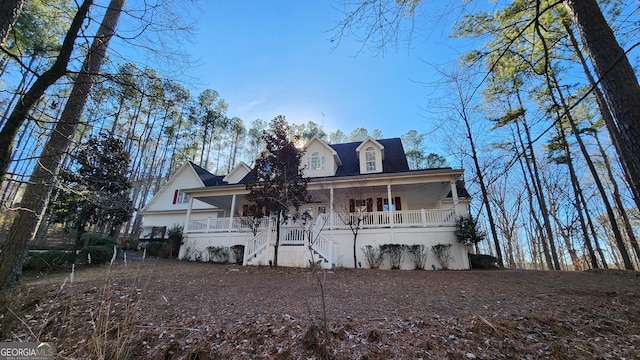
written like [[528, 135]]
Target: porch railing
[[223, 224], [403, 218], [375, 219]]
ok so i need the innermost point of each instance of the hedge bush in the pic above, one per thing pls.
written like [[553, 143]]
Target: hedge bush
[[47, 261], [99, 254], [158, 249], [106, 242], [482, 261]]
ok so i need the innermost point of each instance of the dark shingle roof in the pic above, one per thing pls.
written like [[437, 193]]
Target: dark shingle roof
[[208, 179], [394, 161], [394, 157], [461, 189]]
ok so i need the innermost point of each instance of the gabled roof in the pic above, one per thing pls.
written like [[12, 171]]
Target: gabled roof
[[239, 171], [208, 179], [395, 159], [335, 155], [370, 140], [186, 171]]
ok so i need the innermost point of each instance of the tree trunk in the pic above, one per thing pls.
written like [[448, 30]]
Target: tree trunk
[[548, 244], [537, 183], [554, 85], [35, 92], [617, 199], [618, 79], [605, 112], [577, 191], [526, 173], [277, 244], [42, 180], [355, 238], [481, 180], [9, 12]]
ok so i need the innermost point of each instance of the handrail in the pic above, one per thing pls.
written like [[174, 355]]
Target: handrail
[[257, 244], [322, 246]]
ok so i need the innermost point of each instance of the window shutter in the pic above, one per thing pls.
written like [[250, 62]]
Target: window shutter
[[398, 205], [245, 210], [352, 205], [175, 196], [379, 204], [369, 204]]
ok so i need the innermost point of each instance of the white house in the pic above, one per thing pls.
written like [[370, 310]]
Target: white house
[[364, 187]]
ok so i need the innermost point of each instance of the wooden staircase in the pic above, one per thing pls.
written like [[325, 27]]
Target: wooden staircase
[[257, 248]]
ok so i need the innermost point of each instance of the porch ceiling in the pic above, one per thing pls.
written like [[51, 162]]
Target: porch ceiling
[[425, 194], [419, 188], [222, 201]]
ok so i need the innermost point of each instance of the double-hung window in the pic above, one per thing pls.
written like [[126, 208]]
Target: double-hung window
[[370, 159]]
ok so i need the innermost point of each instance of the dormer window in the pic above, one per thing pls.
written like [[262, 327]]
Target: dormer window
[[370, 159], [370, 156], [316, 161]]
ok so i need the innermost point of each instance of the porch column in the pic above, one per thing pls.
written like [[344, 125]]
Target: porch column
[[454, 194], [233, 209], [331, 208], [186, 222], [391, 216]]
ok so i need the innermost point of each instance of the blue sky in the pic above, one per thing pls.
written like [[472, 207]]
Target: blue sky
[[267, 58]]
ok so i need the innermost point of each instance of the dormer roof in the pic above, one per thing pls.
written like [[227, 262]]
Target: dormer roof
[[395, 158], [333, 152], [237, 173], [369, 141]]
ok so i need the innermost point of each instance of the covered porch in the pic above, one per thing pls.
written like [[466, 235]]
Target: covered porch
[[366, 220], [416, 199]]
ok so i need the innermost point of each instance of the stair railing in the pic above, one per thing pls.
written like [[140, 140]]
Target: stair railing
[[256, 244]]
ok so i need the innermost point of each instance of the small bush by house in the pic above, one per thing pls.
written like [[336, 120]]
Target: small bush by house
[[158, 249], [47, 261], [483, 261], [99, 254]]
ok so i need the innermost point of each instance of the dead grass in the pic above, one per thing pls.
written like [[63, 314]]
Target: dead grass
[[179, 310]]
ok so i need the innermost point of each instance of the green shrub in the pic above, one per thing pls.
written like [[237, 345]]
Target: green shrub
[[102, 241], [467, 232], [99, 254], [46, 261], [158, 249], [130, 244], [483, 261], [175, 239]]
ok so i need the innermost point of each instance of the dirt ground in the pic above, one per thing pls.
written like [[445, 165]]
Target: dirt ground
[[180, 310]]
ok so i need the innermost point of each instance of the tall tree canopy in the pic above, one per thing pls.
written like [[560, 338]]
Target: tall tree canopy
[[9, 12], [95, 189], [278, 185]]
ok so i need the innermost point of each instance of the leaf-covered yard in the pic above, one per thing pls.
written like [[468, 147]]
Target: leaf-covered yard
[[180, 310]]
